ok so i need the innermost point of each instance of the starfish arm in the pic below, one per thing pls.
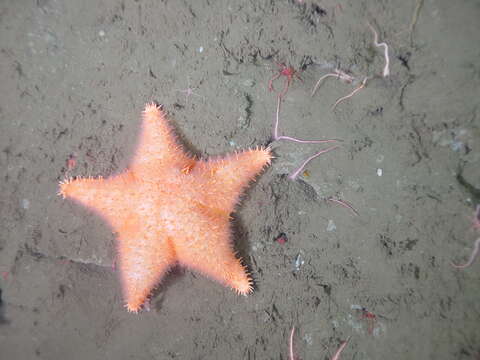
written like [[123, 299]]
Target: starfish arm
[[211, 253], [158, 149], [111, 198], [144, 258], [226, 178]]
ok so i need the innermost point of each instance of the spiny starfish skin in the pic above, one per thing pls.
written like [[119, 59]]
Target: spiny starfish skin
[[169, 208]]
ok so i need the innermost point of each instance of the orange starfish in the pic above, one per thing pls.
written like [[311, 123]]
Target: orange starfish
[[169, 208]]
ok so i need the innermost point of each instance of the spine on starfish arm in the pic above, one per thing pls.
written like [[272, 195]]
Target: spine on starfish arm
[[70, 186], [247, 288], [62, 185], [152, 106], [243, 284]]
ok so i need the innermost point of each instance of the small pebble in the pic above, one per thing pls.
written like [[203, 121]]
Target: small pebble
[[308, 339], [379, 172], [248, 82], [298, 262], [331, 226], [25, 203], [457, 145]]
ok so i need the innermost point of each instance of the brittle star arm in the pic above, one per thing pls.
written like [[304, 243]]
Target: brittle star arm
[[386, 69], [275, 131], [362, 85], [321, 79], [344, 204], [270, 82], [473, 255], [339, 74], [294, 175], [285, 87], [336, 356], [292, 357]]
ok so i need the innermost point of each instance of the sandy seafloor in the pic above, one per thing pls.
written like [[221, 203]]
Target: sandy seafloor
[[74, 77]]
